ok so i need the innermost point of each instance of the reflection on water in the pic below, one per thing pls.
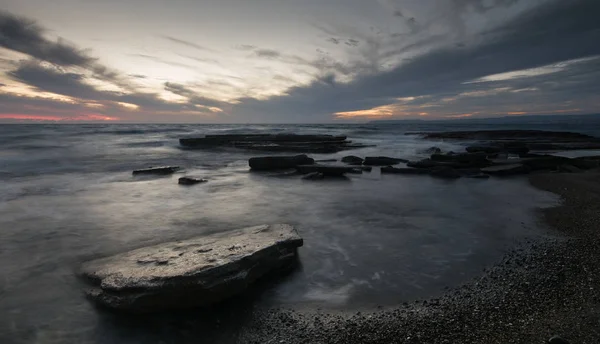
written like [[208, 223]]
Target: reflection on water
[[371, 240]]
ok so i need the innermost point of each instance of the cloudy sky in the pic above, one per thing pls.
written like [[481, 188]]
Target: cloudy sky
[[242, 61]]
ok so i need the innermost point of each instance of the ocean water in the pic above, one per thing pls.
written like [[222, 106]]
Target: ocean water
[[67, 195]]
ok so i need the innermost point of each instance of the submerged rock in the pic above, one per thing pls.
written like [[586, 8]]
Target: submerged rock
[[190, 273], [484, 149], [506, 170], [445, 172], [191, 180], [352, 160], [157, 170], [382, 161], [314, 176], [328, 170], [433, 150], [279, 162], [405, 170]]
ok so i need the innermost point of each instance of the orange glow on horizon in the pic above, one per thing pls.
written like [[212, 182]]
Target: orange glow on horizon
[[378, 112], [85, 117], [460, 116]]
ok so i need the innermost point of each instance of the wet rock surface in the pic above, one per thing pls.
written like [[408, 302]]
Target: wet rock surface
[[190, 273], [352, 160], [274, 142]]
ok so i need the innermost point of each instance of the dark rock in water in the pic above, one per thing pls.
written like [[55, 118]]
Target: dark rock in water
[[433, 150], [193, 272], [314, 176], [477, 176], [484, 149], [507, 134], [428, 163], [557, 340], [405, 170], [382, 161], [327, 170], [191, 180], [506, 170], [279, 162], [462, 160], [326, 160], [445, 172], [585, 163], [352, 160], [366, 168], [162, 170], [516, 147], [356, 170], [568, 169]]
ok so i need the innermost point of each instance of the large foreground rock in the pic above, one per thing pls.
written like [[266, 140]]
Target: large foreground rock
[[191, 273], [267, 163]]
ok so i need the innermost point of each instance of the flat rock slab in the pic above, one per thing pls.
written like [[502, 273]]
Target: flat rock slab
[[191, 180], [275, 142], [190, 273], [267, 163], [157, 170]]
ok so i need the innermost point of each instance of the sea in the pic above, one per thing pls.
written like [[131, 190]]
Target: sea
[[372, 241]]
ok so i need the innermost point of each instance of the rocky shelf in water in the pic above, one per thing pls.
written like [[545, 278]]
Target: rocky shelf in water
[[517, 141], [191, 273], [275, 142]]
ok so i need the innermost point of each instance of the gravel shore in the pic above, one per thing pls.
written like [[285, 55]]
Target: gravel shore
[[539, 290]]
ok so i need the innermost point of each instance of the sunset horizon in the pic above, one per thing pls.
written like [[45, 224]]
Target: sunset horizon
[[226, 62]]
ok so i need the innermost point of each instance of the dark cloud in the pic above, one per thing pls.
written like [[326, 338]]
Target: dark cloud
[[51, 79], [138, 76], [557, 31], [245, 47], [186, 43], [25, 36], [352, 42], [333, 40], [267, 53], [192, 96], [201, 59]]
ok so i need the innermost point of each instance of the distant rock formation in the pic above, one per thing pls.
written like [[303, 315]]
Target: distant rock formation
[[275, 142]]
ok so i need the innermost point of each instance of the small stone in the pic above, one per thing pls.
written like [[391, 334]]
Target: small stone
[[557, 340]]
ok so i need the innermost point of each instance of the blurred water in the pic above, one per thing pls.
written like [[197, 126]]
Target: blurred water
[[67, 195]]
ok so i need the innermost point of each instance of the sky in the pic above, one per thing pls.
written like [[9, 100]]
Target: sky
[[296, 61]]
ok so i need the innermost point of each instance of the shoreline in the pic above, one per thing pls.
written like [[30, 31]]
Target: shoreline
[[538, 290]]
